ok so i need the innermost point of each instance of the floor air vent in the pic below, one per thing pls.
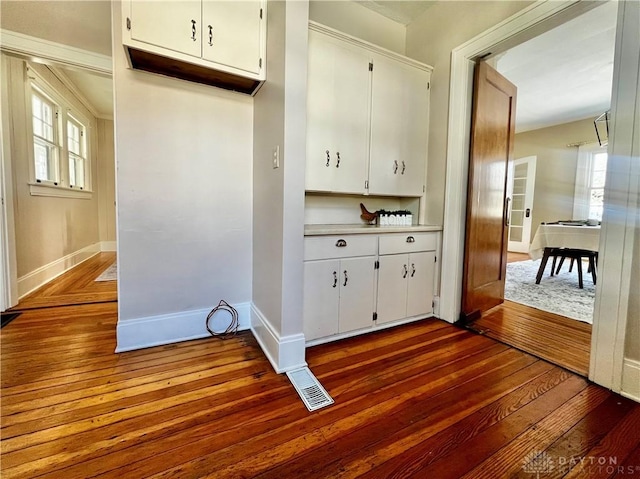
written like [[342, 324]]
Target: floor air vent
[[309, 388]]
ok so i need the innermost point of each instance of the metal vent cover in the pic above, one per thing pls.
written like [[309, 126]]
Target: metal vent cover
[[313, 395]]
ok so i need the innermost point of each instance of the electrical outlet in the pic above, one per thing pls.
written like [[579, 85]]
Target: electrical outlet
[[276, 157]]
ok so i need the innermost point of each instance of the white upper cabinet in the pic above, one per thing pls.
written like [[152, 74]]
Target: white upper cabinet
[[337, 116], [367, 118], [220, 43], [173, 25], [399, 128], [232, 34]]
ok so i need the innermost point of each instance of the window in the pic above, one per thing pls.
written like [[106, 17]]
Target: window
[[77, 152], [45, 147], [590, 182], [60, 156]]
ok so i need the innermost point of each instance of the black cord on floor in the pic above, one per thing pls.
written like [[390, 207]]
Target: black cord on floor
[[232, 329]]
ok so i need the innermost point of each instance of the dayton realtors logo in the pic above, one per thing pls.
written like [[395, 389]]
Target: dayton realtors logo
[[541, 463]]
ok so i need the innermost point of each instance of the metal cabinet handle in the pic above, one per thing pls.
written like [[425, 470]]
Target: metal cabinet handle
[[395, 166], [210, 36], [413, 269], [411, 239], [404, 271], [328, 158], [345, 278], [193, 30], [507, 212], [341, 243], [338, 163], [335, 279], [403, 168]]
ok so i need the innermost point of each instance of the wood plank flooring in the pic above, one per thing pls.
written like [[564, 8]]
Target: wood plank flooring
[[426, 400], [76, 286], [562, 341]]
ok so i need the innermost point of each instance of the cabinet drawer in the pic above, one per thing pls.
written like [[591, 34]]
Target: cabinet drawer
[[325, 247], [407, 242]]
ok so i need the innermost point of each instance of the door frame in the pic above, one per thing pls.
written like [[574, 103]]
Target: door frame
[[608, 336]]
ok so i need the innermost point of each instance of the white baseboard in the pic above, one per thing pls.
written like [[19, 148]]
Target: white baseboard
[[631, 379], [175, 327], [108, 246], [285, 353], [36, 278]]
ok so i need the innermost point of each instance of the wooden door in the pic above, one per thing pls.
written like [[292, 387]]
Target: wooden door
[[231, 33], [420, 284], [521, 215], [356, 293], [174, 25], [338, 81], [399, 128], [491, 150], [321, 297]]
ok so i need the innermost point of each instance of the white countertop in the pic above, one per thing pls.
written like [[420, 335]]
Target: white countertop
[[318, 230]]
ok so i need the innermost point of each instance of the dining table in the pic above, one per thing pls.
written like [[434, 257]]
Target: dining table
[[571, 239]]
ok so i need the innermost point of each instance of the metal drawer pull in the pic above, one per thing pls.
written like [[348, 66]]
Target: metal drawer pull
[[395, 166], [193, 30], [405, 271], [345, 278], [413, 269], [341, 243], [210, 36], [338, 163], [335, 279], [328, 158], [411, 239], [403, 168]]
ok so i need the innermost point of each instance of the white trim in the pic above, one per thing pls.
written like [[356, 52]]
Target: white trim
[[36, 278], [338, 35], [631, 379], [525, 22], [29, 46], [285, 353], [44, 189], [171, 328], [108, 246]]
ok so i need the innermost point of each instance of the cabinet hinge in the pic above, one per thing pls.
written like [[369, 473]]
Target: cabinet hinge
[[366, 184], [424, 189], [376, 265], [128, 23], [435, 259], [433, 304], [428, 85], [260, 63], [375, 316], [370, 66], [261, 13]]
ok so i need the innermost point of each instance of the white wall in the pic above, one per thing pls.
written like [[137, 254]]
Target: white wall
[[430, 39], [184, 176], [278, 194], [354, 19]]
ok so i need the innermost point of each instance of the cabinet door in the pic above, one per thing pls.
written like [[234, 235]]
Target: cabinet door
[[231, 33], [321, 297], [420, 284], [174, 25], [399, 128], [392, 287], [337, 116], [356, 293]]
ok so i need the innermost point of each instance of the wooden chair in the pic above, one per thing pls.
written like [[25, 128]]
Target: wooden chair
[[577, 255]]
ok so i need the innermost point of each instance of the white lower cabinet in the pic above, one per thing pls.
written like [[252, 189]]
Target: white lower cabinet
[[405, 285], [349, 278]]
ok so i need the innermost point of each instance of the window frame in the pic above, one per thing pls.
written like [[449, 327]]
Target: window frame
[[584, 180], [36, 84]]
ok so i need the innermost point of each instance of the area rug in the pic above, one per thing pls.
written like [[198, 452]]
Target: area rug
[[109, 274], [557, 294]]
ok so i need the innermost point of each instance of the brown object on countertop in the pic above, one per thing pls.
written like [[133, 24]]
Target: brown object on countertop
[[367, 215]]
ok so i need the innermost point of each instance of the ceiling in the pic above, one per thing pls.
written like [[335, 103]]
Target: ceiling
[[398, 10], [565, 74], [97, 89]]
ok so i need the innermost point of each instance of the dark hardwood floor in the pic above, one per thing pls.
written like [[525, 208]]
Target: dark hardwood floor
[[76, 286], [426, 400]]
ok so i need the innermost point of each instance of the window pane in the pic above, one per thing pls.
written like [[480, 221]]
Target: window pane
[[36, 104], [73, 138], [76, 171], [37, 127], [596, 203], [45, 161], [598, 179], [600, 162]]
